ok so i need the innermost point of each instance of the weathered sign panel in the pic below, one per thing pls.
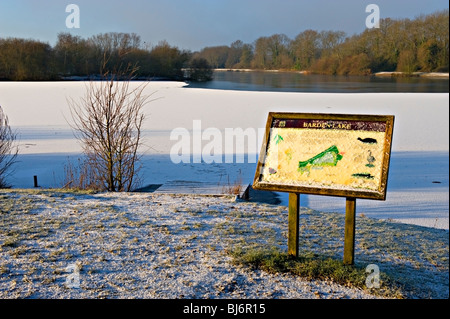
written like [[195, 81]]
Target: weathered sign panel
[[326, 154]]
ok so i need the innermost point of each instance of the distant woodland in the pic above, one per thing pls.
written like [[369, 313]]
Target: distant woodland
[[403, 45]]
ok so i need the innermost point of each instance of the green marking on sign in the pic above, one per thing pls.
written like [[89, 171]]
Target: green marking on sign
[[329, 157], [278, 139]]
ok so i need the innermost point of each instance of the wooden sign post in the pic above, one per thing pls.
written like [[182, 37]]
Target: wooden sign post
[[349, 230], [325, 154], [294, 222]]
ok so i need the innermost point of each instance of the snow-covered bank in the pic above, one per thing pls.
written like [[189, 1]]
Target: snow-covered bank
[[418, 182], [178, 246], [438, 75]]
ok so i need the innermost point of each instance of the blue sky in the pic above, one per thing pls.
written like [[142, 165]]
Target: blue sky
[[194, 24]]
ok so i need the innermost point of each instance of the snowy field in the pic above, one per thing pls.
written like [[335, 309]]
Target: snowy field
[[418, 186], [156, 246]]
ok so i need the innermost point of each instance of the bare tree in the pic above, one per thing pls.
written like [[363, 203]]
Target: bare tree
[[108, 121], [8, 149]]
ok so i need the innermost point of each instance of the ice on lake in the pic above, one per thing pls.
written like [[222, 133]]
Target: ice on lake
[[418, 187]]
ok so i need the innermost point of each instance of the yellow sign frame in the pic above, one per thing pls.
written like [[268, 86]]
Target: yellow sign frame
[[345, 155]]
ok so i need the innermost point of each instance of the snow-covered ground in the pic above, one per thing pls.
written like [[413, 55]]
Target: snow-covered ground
[[418, 187], [158, 246]]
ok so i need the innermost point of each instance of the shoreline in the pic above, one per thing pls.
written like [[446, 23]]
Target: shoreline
[[435, 75], [381, 74], [431, 75], [420, 199]]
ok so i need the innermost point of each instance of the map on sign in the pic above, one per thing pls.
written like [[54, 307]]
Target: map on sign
[[342, 155]]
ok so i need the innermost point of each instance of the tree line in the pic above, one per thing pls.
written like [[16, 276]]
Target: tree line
[[73, 56], [404, 45]]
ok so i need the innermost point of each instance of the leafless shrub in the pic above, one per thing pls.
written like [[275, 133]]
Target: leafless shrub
[[108, 122], [234, 188], [8, 149], [80, 176]]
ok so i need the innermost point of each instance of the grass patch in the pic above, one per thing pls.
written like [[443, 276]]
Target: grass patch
[[11, 241], [312, 266]]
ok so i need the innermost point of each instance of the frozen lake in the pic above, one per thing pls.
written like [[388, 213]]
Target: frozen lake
[[418, 186]]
